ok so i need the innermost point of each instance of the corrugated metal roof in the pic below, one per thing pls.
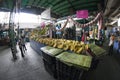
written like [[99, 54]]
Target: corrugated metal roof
[[59, 8]]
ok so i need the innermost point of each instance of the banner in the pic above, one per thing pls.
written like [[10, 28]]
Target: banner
[[82, 14], [46, 15]]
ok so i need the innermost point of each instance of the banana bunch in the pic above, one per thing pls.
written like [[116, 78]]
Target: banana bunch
[[79, 50], [55, 45], [86, 46], [65, 47], [75, 46], [60, 45]]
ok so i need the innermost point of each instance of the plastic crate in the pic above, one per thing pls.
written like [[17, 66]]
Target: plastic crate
[[94, 64], [49, 54], [48, 58], [50, 68], [68, 72]]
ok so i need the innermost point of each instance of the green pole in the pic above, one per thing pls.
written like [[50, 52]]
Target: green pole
[[11, 30]]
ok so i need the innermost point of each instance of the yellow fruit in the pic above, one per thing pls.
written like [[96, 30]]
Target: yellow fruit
[[86, 46], [55, 45], [66, 47], [60, 46], [75, 50], [72, 47], [79, 50]]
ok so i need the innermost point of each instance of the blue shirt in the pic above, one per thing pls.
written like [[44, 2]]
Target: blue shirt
[[58, 28]]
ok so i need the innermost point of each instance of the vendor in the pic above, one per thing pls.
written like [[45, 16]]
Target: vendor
[[58, 32]]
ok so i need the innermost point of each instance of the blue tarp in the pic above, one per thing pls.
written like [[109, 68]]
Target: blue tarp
[[36, 46]]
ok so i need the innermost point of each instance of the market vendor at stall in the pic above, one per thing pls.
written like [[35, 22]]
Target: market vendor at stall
[[58, 32]]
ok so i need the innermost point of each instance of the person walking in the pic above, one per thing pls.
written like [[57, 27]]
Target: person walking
[[23, 44], [111, 44], [21, 47]]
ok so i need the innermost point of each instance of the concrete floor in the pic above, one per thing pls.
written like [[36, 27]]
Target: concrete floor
[[107, 69], [31, 67]]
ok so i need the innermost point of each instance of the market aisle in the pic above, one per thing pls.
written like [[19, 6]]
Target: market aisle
[[28, 68]]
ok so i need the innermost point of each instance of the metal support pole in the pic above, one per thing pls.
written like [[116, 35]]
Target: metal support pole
[[11, 29]]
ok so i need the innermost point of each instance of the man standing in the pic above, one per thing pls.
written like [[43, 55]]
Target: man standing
[[21, 47]]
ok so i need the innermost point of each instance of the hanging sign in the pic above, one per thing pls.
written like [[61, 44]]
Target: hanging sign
[[82, 14]]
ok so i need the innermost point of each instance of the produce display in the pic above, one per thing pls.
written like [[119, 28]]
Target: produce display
[[38, 33], [75, 46], [68, 45], [81, 61]]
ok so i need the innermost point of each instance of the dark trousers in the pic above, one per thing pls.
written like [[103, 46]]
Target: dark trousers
[[111, 50], [24, 47], [22, 54]]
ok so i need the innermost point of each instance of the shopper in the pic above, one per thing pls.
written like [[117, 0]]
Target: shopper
[[21, 47], [23, 43], [111, 44]]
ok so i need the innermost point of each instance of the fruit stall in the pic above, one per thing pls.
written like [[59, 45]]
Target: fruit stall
[[64, 57]]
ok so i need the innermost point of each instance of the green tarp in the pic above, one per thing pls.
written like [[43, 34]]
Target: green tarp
[[98, 51], [77, 60], [46, 48], [51, 51]]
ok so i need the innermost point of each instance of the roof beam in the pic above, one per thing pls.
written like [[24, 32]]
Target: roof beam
[[30, 2], [48, 4], [116, 11], [38, 3], [73, 8], [60, 4], [24, 3], [93, 8], [55, 15], [64, 11], [42, 3], [111, 7], [33, 2], [78, 6], [71, 4], [56, 2], [78, 2]]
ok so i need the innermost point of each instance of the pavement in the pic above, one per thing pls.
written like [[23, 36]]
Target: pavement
[[28, 68]]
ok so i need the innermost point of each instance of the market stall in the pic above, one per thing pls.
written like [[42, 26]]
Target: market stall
[[65, 57]]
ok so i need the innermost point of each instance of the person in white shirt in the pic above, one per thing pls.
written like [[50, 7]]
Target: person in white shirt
[[111, 44]]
